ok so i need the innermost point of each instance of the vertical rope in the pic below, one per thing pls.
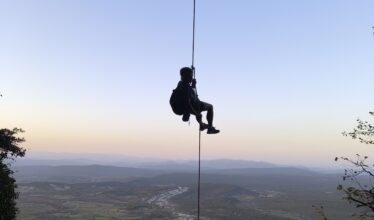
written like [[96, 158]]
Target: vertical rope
[[193, 36], [198, 186], [193, 68]]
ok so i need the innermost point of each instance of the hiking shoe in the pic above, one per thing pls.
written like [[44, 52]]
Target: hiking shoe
[[212, 130], [203, 126], [186, 117]]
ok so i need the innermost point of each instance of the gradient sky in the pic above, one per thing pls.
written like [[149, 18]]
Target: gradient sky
[[285, 77]]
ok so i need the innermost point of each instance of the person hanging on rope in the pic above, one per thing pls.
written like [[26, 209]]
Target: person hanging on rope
[[184, 101]]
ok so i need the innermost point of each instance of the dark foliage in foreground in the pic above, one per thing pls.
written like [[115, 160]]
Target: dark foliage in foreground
[[9, 150]]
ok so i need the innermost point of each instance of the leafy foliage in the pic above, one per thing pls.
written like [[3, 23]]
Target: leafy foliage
[[364, 131], [360, 190], [359, 177], [8, 195], [9, 144], [9, 149]]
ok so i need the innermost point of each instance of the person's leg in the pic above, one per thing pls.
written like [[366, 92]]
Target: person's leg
[[209, 116], [194, 109], [198, 118], [197, 107]]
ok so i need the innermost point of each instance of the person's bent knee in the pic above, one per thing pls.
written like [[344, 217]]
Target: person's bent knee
[[209, 106]]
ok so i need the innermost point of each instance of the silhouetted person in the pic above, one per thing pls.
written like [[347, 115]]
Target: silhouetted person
[[192, 103]]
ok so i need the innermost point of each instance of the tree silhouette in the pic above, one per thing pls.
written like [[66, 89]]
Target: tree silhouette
[[358, 179], [9, 150]]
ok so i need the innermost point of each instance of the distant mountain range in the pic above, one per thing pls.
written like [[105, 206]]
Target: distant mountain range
[[100, 173], [206, 164], [51, 159], [57, 159], [66, 159]]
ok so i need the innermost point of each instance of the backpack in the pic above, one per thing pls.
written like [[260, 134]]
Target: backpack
[[178, 100]]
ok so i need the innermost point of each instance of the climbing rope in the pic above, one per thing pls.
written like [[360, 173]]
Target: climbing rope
[[198, 185], [193, 69], [193, 36]]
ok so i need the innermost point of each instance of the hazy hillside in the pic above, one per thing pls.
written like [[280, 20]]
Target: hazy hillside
[[89, 173], [207, 164], [268, 181], [147, 163], [287, 171], [95, 173]]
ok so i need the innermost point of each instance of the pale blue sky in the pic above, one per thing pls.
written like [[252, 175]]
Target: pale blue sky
[[285, 77]]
